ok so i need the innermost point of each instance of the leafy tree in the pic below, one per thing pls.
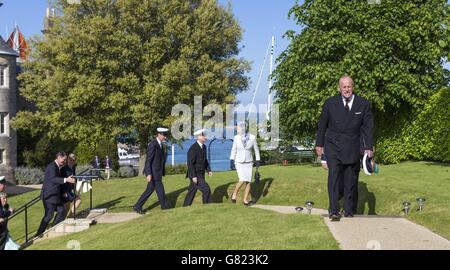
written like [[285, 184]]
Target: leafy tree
[[394, 51], [110, 68], [45, 150], [426, 137]]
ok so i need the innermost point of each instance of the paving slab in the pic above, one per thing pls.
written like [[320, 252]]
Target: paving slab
[[374, 232], [384, 233], [116, 217], [290, 209], [20, 189]]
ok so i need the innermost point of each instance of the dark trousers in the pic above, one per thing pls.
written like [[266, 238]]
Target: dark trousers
[[49, 210], [152, 186], [355, 195], [202, 186], [342, 176], [3, 236]]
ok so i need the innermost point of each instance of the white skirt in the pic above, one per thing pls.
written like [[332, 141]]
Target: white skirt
[[244, 171]]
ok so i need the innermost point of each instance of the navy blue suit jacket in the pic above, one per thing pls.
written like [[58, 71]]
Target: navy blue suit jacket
[[4, 213], [66, 171], [53, 182], [155, 161], [197, 161], [343, 133]]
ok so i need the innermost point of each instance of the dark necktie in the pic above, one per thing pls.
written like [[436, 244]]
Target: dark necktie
[[347, 108]]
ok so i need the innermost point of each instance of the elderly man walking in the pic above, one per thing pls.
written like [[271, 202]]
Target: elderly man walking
[[345, 120]]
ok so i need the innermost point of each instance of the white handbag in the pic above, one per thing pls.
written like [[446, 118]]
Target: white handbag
[[10, 244], [83, 186]]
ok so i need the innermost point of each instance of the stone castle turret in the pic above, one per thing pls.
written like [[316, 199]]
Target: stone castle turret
[[8, 107]]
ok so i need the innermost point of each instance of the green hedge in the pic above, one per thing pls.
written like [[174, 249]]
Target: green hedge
[[177, 169], [423, 136], [29, 176]]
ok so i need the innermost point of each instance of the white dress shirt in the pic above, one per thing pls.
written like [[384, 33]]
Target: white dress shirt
[[201, 144], [350, 102], [159, 142]]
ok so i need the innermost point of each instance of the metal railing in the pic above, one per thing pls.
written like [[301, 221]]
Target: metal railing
[[24, 208]]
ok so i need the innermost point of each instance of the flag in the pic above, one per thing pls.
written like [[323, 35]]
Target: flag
[[17, 42]]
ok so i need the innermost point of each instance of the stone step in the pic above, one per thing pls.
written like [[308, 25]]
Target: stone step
[[73, 225]]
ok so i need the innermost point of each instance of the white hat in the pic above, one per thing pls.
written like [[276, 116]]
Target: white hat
[[162, 130], [369, 165], [83, 186], [199, 132]]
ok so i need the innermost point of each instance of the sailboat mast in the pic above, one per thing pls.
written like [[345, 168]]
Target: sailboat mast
[[269, 92]]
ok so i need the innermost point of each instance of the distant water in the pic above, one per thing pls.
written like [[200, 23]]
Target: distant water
[[220, 153]]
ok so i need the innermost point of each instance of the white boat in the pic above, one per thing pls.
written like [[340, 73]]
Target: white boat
[[124, 155]]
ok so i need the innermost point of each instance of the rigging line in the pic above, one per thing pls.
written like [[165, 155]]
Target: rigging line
[[259, 78]]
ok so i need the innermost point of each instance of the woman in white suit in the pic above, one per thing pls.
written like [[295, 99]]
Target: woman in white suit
[[244, 144]]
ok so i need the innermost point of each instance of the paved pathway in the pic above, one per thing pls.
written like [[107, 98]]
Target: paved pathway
[[113, 217], [20, 189], [375, 232], [290, 209]]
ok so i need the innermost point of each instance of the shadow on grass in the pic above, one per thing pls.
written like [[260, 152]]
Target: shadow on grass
[[80, 213], [108, 205], [261, 190], [221, 192], [365, 197], [256, 192], [171, 199], [439, 164]]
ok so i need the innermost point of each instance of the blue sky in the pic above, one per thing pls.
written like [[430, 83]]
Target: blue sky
[[258, 18]]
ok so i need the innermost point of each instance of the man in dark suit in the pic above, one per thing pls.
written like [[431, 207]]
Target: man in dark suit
[[323, 161], [345, 121], [198, 164], [51, 192], [154, 170]]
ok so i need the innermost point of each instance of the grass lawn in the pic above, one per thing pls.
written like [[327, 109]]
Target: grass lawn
[[291, 185], [219, 226]]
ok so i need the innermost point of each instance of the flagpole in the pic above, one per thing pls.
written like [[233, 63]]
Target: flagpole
[[269, 92]]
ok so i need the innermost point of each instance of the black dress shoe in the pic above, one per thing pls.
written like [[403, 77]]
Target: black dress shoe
[[335, 217], [348, 215], [139, 211]]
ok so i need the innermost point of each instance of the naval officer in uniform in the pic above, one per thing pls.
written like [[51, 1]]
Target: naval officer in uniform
[[154, 171], [198, 164]]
